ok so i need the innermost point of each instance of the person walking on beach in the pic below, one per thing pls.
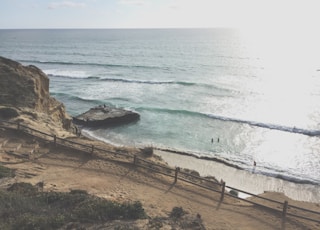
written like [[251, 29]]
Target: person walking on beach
[[254, 166]]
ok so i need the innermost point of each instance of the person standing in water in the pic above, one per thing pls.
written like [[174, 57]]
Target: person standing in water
[[218, 140]]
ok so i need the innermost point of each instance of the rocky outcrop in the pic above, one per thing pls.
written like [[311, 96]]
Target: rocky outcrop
[[106, 116], [23, 86], [24, 92]]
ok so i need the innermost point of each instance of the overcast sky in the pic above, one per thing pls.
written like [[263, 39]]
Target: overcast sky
[[159, 13]]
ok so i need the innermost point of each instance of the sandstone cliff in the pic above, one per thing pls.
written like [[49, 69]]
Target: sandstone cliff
[[25, 97]]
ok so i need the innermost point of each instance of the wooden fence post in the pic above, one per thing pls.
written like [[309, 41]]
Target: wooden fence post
[[176, 174], [222, 191], [55, 140], [284, 214], [223, 188]]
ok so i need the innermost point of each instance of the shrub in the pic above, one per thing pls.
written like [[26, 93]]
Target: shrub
[[78, 191], [103, 210], [147, 151], [6, 172], [23, 207], [29, 221], [7, 113], [24, 188], [134, 210], [234, 193], [177, 212]]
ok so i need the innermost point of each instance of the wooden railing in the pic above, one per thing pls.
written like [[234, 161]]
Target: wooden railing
[[285, 211]]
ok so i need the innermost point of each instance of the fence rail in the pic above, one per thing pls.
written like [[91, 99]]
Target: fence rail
[[176, 173], [254, 195]]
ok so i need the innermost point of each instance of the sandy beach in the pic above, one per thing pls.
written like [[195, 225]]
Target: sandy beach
[[248, 181]]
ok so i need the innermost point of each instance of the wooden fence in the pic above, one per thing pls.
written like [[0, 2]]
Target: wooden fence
[[285, 211]]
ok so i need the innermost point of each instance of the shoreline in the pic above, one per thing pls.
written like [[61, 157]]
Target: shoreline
[[233, 175], [242, 179], [226, 163], [198, 155]]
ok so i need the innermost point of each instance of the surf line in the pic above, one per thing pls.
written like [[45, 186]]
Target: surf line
[[268, 125]]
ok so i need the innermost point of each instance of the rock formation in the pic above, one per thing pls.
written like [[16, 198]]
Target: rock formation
[[25, 96], [106, 116], [23, 86]]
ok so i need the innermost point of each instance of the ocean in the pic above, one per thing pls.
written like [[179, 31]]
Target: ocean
[[221, 94]]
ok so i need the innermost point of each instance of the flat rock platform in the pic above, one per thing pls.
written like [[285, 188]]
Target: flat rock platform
[[106, 116]]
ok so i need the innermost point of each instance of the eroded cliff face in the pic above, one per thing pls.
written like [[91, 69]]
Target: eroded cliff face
[[23, 86], [25, 96]]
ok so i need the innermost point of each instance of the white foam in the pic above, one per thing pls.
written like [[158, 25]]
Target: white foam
[[67, 73]]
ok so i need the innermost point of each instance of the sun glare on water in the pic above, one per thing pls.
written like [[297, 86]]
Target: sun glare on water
[[287, 81], [286, 92]]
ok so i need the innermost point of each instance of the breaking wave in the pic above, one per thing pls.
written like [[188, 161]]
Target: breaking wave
[[308, 132]]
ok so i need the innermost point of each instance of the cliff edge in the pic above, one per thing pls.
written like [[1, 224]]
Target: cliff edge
[[25, 97]]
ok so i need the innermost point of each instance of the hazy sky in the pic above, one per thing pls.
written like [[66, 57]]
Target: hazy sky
[[158, 13]]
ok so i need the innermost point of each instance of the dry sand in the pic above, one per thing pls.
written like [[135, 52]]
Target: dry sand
[[63, 170]]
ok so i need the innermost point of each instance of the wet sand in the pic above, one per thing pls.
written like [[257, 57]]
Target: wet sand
[[242, 179]]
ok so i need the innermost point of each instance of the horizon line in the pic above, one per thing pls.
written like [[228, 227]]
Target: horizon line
[[120, 28]]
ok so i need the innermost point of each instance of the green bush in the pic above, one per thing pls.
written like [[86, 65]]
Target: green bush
[[133, 210], [23, 188], [177, 212], [78, 191], [103, 210], [23, 207], [147, 151], [29, 221], [234, 193], [6, 172]]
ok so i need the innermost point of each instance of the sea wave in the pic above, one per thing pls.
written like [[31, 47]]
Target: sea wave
[[308, 132], [68, 73], [224, 92], [149, 82], [79, 74], [92, 64], [71, 97], [76, 73], [291, 178], [212, 87], [183, 83]]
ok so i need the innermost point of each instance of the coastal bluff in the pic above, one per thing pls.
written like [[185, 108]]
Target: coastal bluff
[[25, 97]]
